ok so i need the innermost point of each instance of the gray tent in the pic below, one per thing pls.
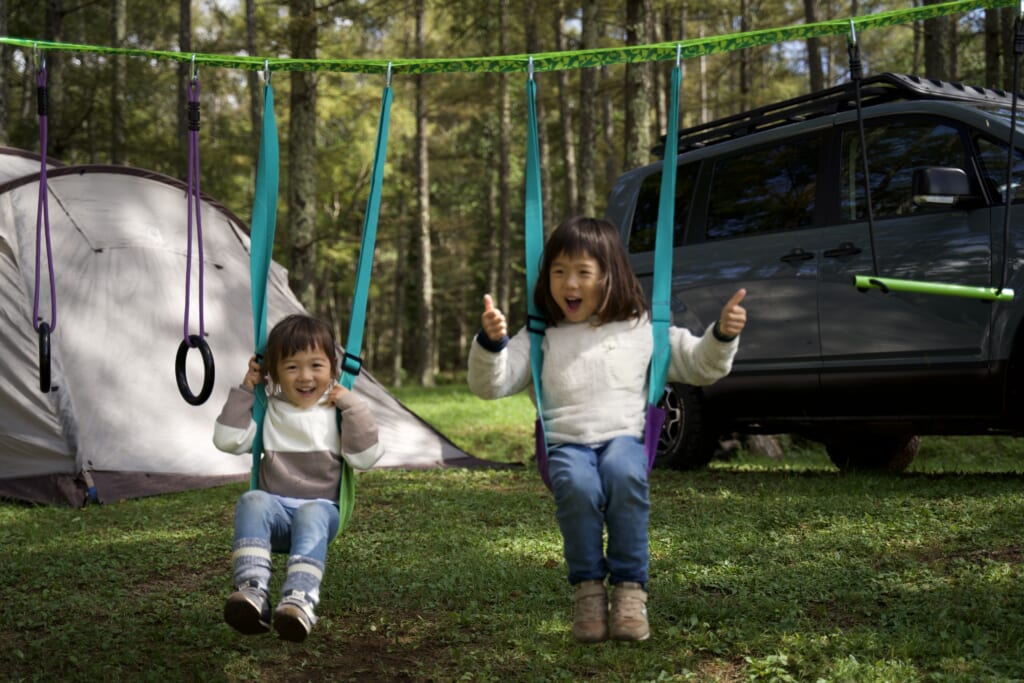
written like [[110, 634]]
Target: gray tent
[[116, 425]]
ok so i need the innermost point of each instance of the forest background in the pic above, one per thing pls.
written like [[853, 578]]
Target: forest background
[[451, 216]]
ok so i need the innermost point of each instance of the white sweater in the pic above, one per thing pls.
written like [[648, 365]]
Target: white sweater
[[595, 376]]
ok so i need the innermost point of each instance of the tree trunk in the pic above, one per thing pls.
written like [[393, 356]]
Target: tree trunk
[[936, 34], [118, 84], [53, 29], [426, 282], [253, 79], [184, 45], [5, 60], [565, 112], [504, 168], [992, 45], [588, 120], [638, 86], [611, 166], [302, 157], [814, 70]]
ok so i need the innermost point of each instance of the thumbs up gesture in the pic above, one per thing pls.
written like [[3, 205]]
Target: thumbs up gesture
[[493, 320], [734, 317]]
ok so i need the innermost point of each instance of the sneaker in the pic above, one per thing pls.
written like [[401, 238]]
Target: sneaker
[[590, 614], [294, 618], [629, 612], [248, 609]]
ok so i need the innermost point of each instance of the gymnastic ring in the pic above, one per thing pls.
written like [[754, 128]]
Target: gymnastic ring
[[44, 357], [194, 341]]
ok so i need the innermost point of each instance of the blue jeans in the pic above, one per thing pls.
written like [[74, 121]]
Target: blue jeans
[[265, 523], [596, 488]]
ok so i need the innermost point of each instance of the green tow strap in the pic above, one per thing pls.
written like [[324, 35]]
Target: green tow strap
[[261, 250], [892, 284], [551, 61]]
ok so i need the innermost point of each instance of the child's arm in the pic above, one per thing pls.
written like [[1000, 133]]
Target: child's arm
[[704, 360], [360, 445], [498, 366], [234, 430]]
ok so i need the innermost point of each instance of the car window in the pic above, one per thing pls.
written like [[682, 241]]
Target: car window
[[992, 158], [645, 218], [764, 189], [895, 149]]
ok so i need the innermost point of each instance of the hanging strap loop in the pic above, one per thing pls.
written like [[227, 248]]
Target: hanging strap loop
[[43, 237], [190, 341]]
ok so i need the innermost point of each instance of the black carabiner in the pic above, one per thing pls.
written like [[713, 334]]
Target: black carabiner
[[44, 357], [194, 341]]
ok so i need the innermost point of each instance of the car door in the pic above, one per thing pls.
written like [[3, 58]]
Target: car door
[[901, 352]]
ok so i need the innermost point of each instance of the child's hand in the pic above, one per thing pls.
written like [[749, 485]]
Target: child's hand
[[734, 316], [254, 375], [493, 320], [335, 394]]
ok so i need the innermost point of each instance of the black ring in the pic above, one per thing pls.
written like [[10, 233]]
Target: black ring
[[44, 357], [194, 341]]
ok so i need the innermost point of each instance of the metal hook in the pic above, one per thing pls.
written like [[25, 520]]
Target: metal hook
[[195, 68], [679, 53], [387, 82], [266, 71], [529, 67], [853, 33]]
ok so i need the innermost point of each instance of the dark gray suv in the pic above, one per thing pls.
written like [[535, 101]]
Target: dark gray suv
[[774, 200]]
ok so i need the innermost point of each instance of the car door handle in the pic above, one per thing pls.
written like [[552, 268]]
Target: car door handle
[[844, 249], [797, 254]]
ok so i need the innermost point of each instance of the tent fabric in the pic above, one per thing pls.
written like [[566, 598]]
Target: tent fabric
[[116, 425]]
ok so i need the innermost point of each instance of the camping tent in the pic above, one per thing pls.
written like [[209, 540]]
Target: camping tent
[[116, 425]]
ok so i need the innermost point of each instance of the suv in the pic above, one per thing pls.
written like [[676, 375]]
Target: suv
[[774, 200]]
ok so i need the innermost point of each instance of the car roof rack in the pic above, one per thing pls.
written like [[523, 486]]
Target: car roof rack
[[885, 87]]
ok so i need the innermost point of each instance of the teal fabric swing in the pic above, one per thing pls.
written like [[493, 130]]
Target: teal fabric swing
[[264, 218], [661, 310]]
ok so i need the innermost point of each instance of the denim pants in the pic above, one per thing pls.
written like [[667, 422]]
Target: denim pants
[[596, 488], [265, 524]]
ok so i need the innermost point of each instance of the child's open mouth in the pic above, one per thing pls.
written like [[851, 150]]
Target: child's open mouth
[[573, 304]]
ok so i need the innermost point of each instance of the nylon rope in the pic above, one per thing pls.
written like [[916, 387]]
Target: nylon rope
[[550, 61], [194, 208]]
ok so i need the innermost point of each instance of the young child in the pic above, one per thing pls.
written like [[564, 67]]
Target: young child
[[597, 347], [295, 509]]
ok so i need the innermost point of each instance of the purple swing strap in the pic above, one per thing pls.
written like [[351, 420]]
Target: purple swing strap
[[43, 211], [194, 207]]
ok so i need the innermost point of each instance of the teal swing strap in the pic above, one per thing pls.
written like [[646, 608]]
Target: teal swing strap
[[351, 363], [261, 250], [661, 311]]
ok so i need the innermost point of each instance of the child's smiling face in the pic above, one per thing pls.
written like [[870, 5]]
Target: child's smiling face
[[305, 377], [576, 285]]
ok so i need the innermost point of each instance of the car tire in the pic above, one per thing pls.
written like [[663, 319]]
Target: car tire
[[873, 453], [688, 438]]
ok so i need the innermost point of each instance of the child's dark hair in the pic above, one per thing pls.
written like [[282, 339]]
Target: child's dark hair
[[295, 333], [623, 296]]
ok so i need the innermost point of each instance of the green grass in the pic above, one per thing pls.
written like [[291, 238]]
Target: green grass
[[761, 571]]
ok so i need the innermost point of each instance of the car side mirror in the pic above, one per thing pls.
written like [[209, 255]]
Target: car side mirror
[[935, 185]]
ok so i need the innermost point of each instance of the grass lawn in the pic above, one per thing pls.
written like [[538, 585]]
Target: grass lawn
[[761, 571]]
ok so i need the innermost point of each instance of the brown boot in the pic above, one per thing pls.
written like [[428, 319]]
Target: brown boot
[[629, 612], [590, 614]]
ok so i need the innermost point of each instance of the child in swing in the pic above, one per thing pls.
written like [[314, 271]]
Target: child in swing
[[295, 509], [597, 346]]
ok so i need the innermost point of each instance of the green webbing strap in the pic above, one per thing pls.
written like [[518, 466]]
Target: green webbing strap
[[661, 287], [892, 284], [534, 237], [351, 363], [552, 61], [261, 250]]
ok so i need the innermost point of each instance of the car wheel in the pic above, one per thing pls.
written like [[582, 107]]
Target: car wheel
[[688, 440], [873, 453]]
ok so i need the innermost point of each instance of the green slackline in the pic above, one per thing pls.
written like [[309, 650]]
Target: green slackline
[[919, 287], [548, 61]]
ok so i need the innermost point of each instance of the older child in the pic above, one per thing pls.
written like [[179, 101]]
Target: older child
[[597, 347], [295, 509]]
